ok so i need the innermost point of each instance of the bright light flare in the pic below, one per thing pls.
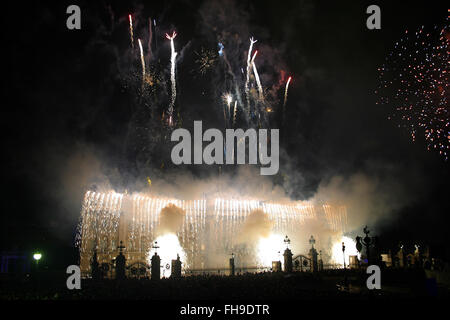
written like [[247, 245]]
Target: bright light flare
[[350, 250], [270, 249], [169, 247], [229, 99]]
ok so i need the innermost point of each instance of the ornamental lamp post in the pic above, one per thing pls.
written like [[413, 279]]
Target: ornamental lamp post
[[345, 271], [343, 252], [37, 256], [312, 241]]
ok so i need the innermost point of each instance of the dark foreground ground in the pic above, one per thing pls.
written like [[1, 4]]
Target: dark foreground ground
[[395, 284]]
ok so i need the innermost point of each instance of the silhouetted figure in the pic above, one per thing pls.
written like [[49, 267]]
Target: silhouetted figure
[[95, 270], [120, 263]]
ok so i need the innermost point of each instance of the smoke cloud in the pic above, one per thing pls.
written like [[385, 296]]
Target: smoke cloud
[[171, 219], [369, 200], [256, 226]]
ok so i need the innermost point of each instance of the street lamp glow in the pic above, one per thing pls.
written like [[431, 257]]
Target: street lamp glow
[[37, 256]]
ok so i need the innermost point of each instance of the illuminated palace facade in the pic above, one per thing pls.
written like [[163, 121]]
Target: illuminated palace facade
[[209, 227]]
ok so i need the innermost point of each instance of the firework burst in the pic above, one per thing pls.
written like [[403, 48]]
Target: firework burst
[[230, 70], [414, 83], [206, 60]]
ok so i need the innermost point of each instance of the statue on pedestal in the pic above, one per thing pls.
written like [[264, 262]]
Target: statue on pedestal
[[287, 256], [156, 264], [120, 263], [313, 255]]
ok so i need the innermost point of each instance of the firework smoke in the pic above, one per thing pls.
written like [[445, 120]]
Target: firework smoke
[[171, 219], [150, 37], [257, 225]]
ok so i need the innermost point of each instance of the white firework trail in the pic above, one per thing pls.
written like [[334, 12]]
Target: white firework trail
[[250, 49], [255, 71], [230, 71], [229, 100], [131, 30], [234, 113], [142, 60], [172, 73], [286, 92]]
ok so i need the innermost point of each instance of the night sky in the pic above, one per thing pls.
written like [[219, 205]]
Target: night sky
[[61, 100]]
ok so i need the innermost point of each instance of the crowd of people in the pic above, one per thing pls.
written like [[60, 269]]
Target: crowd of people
[[273, 286]]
